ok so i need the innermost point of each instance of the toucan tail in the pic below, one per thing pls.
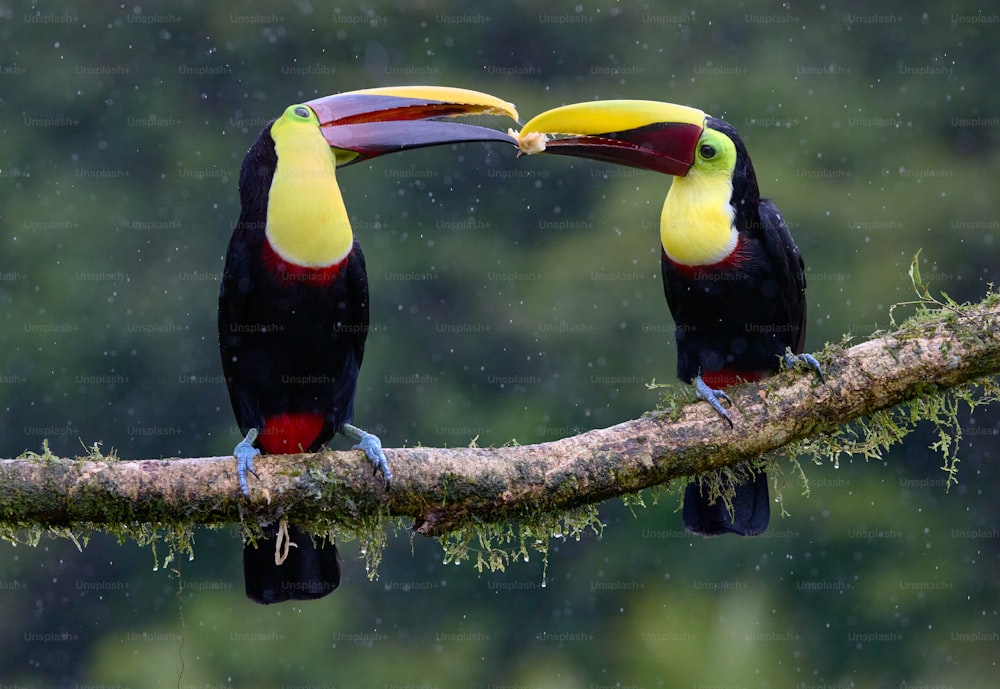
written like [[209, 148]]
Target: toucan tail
[[751, 509], [309, 570]]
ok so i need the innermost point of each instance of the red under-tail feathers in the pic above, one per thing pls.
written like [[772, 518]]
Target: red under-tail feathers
[[289, 433]]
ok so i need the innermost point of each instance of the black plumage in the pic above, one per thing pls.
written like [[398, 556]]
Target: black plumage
[[292, 341], [734, 321]]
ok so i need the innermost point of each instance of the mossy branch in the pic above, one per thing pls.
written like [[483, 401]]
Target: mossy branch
[[933, 356]]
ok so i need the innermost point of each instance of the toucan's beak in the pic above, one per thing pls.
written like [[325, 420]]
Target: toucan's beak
[[372, 122], [639, 133]]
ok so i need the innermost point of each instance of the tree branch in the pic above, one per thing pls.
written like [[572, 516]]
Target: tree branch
[[443, 488]]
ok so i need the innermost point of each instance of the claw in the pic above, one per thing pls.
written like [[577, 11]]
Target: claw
[[244, 453], [805, 358], [372, 446], [704, 392]]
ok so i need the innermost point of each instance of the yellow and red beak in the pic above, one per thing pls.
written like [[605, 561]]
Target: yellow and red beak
[[639, 133], [372, 122]]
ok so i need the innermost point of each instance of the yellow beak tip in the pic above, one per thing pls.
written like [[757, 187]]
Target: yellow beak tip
[[477, 102]]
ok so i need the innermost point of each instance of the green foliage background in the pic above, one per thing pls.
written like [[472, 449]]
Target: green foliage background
[[512, 299]]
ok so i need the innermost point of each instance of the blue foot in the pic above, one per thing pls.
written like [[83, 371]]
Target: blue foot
[[712, 396], [809, 360], [370, 443], [244, 453]]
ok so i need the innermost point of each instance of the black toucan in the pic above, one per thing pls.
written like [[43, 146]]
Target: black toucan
[[734, 279], [293, 308]]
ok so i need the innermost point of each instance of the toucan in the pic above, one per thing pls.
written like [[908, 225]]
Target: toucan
[[732, 275], [293, 304]]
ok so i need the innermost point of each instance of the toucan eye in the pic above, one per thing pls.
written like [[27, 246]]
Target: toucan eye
[[302, 111], [707, 151]]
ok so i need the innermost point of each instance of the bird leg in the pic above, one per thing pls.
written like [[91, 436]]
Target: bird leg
[[809, 360], [244, 453], [704, 392], [372, 445]]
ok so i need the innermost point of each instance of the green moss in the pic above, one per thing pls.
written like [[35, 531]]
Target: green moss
[[45, 456], [94, 453], [494, 545], [672, 400], [633, 500], [872, 436], [721, 483], [372, 534], [165, 539]]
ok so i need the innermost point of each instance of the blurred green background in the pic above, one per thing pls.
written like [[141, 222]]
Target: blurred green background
[[512, 299]]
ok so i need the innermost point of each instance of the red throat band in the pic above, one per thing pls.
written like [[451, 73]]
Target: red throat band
[[290, 272]]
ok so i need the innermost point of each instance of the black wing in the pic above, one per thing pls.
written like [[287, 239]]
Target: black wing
[[358, 303], [790, 271], [234, 307]]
